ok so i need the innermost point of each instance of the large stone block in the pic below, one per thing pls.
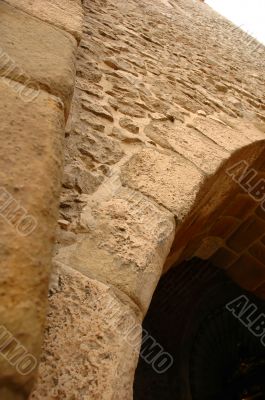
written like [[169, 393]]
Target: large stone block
[[30, 164], [222, 134], [36, 54], [66, 14], [91, 344], [125, 242], [168, 178], [193, 145]]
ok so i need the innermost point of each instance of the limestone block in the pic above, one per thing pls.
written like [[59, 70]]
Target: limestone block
[[66, 14], [100, 148], [91, 344], [125, 243], [227, 137], [168, 178], [36, 54], [195, 146], [30, 163]]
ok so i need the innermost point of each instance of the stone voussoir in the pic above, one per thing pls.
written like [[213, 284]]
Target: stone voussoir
[[175, 188], [86, 323], [126, 241]]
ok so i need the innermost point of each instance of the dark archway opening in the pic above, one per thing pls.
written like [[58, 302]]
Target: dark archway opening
[[216, 356]]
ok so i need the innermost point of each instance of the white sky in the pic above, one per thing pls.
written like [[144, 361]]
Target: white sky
[[249, 14]]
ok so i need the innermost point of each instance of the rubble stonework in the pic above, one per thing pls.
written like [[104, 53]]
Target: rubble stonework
[[168, 99]]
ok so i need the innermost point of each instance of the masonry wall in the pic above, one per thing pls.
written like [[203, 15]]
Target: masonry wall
[[38, 42], [168, 97]]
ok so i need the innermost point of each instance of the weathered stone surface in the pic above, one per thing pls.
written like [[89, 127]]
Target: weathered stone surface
[[77, 176], [125, 242], [125, 136], [88, 334], [101, 148], [44, 58], [88, 182], [193, 145], [97, 109], [225, 136], [154, 64], [129, 125], [30, 169], [175, 188], [66, 14], [89, 88]]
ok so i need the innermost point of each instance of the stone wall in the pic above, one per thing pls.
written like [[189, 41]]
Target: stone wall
[[168, 98], [38, 42]]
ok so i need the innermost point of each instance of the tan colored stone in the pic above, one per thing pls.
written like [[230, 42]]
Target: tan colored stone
[[126, 242], [230, 139], [125, 136], [91, 344], [44, 58], [175, 188], [66, 14], [101, 148], [97, 109], [159, 60], [193, 145], [30, 169], [77, 176], [129, 125]]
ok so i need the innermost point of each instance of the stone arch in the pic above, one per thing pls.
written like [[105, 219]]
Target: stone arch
[[154, 125], [218, 251], [226, 223]]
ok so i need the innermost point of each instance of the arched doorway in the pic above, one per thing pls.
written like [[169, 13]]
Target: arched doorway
[[194, 316]]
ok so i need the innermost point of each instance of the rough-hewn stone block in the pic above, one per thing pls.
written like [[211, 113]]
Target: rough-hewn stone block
[[126, 243], [66, 14], [30, 164], [166, 177], [193, 145], [230, 139], [91, 344], [36, 53]]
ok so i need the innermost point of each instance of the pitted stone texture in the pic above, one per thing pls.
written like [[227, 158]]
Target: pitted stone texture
[[225, 136], [100, 148], [168, 178], [30, 169], [193, 145], [125, 242], [66, 14], [44, 58], [87, 338]]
